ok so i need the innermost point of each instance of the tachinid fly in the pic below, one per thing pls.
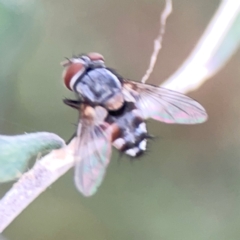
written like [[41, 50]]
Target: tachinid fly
[[113, 110]]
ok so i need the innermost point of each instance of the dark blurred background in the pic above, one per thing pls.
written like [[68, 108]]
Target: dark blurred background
[[187, 187]]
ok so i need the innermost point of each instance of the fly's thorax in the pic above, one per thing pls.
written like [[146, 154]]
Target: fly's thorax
[[101, 87]]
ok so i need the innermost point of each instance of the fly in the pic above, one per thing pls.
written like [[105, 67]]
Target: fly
[[113, 110]]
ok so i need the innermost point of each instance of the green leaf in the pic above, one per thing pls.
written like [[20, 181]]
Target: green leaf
[[16, 151]]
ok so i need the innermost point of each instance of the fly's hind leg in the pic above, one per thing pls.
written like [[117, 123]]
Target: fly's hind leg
[[71, 138]]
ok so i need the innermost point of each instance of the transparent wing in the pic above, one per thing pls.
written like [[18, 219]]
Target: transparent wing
[[163, 104], [92, 154]]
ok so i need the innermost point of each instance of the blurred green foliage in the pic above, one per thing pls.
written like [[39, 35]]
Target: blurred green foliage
[[16, 21], [187, 186]]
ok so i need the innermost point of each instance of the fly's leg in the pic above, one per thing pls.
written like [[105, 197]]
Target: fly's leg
[[73, 103], [71, 138]]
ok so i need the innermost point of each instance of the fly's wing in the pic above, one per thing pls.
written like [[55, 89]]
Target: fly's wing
[[163, 104], [93, 151]]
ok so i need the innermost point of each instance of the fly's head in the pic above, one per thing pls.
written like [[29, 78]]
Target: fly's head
[[77, 66]]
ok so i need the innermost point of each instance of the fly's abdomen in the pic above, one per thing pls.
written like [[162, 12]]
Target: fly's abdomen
[[131, 137], [101, 87], [134, 142]]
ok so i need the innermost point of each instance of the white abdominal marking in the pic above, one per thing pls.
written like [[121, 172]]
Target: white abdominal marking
[[142, 145], [142, 127], [118, 143], [132, 151]]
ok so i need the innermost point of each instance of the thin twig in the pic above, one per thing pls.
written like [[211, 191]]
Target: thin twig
[[34, 182], [158, 41]]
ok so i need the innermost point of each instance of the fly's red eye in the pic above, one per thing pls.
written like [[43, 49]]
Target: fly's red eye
[[95, 56], [70, 72]]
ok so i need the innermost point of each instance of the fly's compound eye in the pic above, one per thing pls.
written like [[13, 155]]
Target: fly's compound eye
[[97, 60], [72, 71], [95, 56]]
